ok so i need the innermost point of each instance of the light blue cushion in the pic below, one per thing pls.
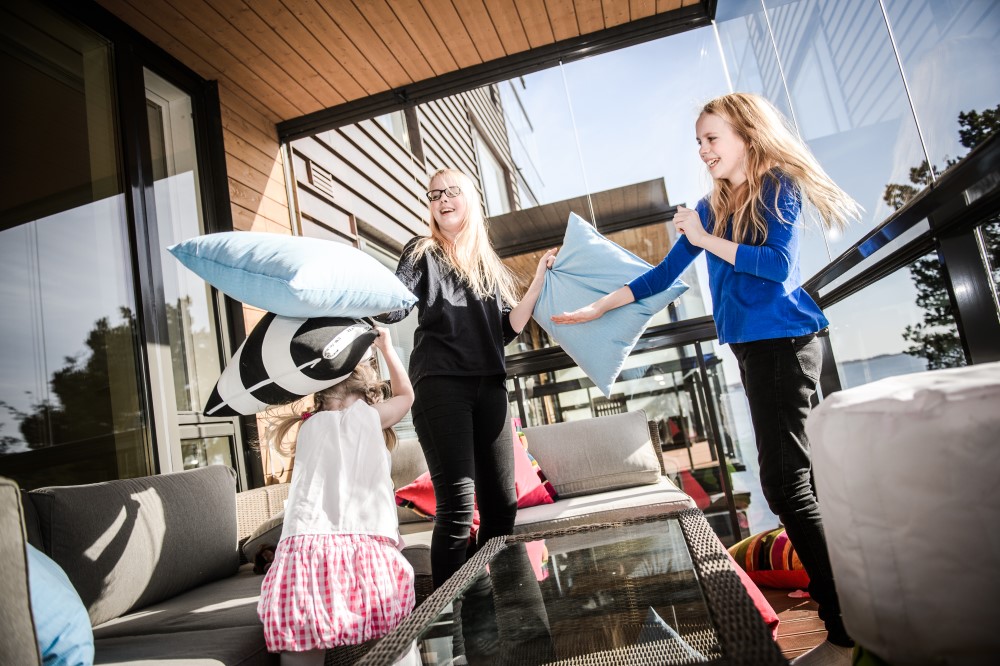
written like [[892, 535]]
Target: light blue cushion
[[294, 276], [62, 626], [587, 267]]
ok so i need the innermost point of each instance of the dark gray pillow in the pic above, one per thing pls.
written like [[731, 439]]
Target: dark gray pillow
[[284, 359], [267, 532]]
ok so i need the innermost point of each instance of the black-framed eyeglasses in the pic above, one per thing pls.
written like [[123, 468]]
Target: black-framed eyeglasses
[[451, 192]]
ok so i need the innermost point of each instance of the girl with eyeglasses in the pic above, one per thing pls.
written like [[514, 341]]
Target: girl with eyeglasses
[[749, 225], [468, 310]]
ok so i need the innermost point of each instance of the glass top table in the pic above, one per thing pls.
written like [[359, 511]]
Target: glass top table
[[653, 591]]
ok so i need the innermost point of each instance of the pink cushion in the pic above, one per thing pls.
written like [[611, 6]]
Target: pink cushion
[[529, 482], [530, 489]]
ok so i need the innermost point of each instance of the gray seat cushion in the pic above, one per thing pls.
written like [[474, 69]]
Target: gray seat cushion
[[229, 602], [129, 543], [609, 506], [230, 646]]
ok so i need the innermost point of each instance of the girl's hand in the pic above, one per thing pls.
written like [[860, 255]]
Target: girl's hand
[[545, 263], [688, 222], [384, 340], [584, 314]]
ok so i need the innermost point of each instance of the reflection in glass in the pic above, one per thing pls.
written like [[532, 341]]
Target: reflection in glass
[[572, 596], [897, 326], [950, 52], [207, 451], [69, 391], [990, 233], [191, 326]]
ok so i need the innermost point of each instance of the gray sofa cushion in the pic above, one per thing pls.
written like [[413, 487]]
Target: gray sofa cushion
[[230, 602], [129, 543], [595, 455]]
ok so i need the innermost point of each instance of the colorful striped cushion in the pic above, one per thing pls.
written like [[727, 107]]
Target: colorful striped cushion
[[770, 560]]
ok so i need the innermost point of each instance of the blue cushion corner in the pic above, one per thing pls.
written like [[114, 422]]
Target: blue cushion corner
[[62, 625]]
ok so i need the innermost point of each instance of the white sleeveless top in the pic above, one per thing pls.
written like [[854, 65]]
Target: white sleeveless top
[[341, 481]]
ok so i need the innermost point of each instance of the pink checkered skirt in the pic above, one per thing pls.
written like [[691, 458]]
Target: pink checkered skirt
[[328, 590]]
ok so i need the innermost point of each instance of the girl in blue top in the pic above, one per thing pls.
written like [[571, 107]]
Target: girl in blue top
[[750, 226]]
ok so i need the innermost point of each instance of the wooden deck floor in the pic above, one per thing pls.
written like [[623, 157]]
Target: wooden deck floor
[[800, 628]]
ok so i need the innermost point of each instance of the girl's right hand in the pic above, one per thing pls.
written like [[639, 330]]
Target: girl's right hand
[[384, 340], [584, 314]]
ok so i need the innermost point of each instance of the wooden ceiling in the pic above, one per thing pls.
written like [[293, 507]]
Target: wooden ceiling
[[290, 58]]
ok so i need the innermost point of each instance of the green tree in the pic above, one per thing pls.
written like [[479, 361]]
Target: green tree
[[81, 407], [936, 338]]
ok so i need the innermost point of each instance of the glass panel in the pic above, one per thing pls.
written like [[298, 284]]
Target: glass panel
[[207, 451], [395, 124], [493, 176], [69, 388], [899, 325], [619, 594], [991, 243], [951, 55], [667, 384], [849, 103], [191, 325]]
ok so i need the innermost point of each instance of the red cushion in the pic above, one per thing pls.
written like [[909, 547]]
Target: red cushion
[[418, 496]]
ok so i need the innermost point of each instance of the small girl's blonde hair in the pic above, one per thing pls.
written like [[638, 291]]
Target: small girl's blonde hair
[[470, 254], [770, 142], [363, 382]]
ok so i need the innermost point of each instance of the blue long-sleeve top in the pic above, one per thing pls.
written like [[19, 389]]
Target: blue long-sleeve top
[[761, 296]]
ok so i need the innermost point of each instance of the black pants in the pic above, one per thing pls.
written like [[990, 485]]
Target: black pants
[[463, 425], [780, 377]]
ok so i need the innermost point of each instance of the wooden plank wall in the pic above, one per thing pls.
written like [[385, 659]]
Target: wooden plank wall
[[377, 184]]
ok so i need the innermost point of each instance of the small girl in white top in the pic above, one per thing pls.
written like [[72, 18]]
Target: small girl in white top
[[338, 577]]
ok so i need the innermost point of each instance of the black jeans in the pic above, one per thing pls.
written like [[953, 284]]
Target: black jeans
[[780, 377], [463, 425]]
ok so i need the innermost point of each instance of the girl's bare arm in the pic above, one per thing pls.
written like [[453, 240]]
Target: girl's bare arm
[[394, 409]]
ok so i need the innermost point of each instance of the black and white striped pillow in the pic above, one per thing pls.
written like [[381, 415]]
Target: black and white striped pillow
[[286, 358]]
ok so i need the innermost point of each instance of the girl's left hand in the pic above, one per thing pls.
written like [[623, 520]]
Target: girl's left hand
[[688, 222], [545, 263]]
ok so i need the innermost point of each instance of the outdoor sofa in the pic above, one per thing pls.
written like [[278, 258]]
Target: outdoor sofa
[[156, 559]]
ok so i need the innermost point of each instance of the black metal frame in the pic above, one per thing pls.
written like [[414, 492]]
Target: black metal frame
[[963, 197], [501, 69]]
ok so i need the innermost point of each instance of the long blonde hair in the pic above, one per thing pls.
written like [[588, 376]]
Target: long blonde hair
[[770, 143], [471, 254], [363, 382]]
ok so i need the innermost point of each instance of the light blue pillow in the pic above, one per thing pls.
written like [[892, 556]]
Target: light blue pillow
[[587, 267], [62, 625], [294, 276]]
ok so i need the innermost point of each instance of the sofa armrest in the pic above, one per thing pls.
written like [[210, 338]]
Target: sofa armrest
[[654, 439], [255, 506], [18, 645]]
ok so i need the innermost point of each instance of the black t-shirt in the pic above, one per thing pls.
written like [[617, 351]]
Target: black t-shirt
[[457, 332]]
